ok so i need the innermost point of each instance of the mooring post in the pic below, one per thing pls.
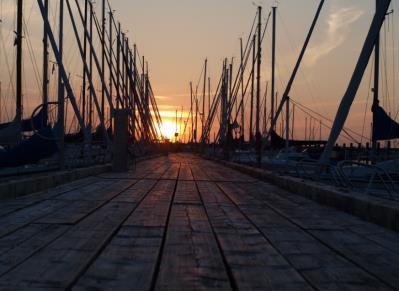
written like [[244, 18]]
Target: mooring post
[[120, 143]]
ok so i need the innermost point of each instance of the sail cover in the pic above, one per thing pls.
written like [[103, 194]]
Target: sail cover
[[39, 146], [384, 127]]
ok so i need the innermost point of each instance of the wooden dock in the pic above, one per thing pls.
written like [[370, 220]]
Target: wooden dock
[[184, 223]]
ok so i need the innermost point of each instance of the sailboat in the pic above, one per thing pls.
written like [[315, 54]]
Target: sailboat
[[20, 150]]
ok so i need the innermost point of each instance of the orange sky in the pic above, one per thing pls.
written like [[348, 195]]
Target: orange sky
[[176, 36]]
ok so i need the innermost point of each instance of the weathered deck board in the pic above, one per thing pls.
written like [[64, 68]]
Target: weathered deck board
[[320, 265], [185, 173], [173, 172], [60, 263], [191, 259], [19, 219], [199, 173], [12, 205], [151, 229], [255, 264], [131, 257], [23, 250]]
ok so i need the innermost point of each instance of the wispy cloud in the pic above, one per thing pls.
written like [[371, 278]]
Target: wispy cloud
[[338, 28]]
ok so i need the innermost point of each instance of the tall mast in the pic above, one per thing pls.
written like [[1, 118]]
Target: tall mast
[[196, 117], [203, 100], [273, 92], [264, 131], [134, 90], [85, 57], [61, 89], [376, 89], [297, 66], [192, 112], [90, 109], [1, 97], [45, 60], [242, 92], [18, 115], [348, 98], [209, 102], [111, 61], [251, 135], [103, 59], [287, 124], [118, 61], [258, 135]]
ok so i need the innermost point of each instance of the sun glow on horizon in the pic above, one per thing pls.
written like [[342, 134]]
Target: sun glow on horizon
[[168, 129]]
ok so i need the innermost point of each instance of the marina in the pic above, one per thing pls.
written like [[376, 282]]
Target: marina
[[239, 183]]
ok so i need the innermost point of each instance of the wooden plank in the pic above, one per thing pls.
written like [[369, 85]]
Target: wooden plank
[[131, 257], [191, 259], [326, 229], [19, 203], [157, 171], [101, 191], [187, 193], [377, 260], [137, 190], [254, 263], [139, 171], [172, 173], [303, 251], [72, 213], [199, 173], [217, 172], [19, 219], [21, 250], [77, 210], [16, 238], [59, 264], [185, 173]]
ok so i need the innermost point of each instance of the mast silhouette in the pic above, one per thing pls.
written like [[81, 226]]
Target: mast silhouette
[[18, 42]]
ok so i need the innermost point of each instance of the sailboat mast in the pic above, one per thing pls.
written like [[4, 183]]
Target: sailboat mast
[[242, 93], [203, 100], [85, 58], [111, 62], [90, 109], [258, 134], [18, 115], [376, 89], [348, 98], [251, 134], [61, 89], [196, 117], [45, 60], [103, 59], [273, 93], [287, 125], [134, 68], [191, 112], [209, 100]]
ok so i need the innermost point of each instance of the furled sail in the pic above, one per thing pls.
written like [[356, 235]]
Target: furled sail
[[384, 127]]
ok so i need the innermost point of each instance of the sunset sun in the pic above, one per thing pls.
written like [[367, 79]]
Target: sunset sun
[[168, 129]]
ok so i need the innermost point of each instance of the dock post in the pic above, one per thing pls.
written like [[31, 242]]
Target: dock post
[[120, 143]]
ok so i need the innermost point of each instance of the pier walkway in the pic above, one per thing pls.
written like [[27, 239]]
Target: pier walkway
[[184, 223]]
